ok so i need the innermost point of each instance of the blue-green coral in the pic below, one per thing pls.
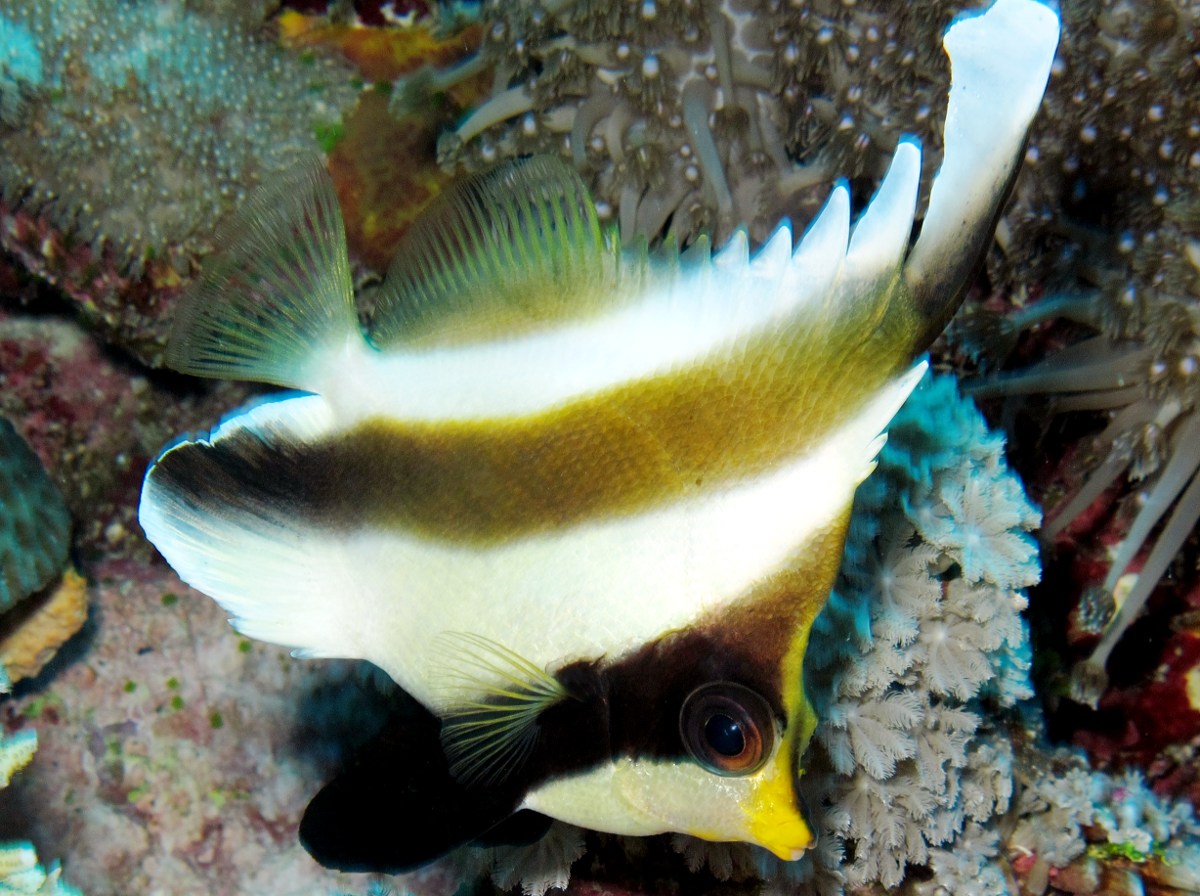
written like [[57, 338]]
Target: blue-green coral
[[20, 70], [35, 526], [150, 119]]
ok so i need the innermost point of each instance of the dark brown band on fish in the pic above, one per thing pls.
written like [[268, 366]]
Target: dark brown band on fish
[[614, 453]]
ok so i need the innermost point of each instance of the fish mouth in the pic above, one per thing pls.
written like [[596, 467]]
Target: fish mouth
[[792, 842], [786, 853]]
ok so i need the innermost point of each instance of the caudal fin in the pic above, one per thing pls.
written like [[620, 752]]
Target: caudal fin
[[275, 298]]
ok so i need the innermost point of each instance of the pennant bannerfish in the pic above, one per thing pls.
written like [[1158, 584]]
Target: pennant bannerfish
[[582, 503]]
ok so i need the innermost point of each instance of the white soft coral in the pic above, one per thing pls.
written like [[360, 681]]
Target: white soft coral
[[913, 760]]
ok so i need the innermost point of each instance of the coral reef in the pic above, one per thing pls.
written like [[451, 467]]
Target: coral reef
[[109, 145], [148, 122], [918, 761], [1106, 223], [700, 115], [31, 635], [1098, 253], [1066, 811], [35, 527], [20, 872]]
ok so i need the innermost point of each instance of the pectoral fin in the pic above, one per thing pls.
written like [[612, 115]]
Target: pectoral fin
[[492, 726], [396, 807]]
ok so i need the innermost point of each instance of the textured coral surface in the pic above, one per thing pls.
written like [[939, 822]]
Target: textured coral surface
[[176, 757], [146, 122]]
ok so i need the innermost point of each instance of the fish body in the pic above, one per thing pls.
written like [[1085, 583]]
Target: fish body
[[581, 502]]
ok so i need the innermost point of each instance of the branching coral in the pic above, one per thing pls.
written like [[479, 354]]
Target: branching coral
[[149, 119], [702, 115]]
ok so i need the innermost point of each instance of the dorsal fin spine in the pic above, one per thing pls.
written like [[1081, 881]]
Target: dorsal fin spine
[[1000, 60]]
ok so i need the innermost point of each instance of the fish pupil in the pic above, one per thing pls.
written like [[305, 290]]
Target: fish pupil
[[724, 735]]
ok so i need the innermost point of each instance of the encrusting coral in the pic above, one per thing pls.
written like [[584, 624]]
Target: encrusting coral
[[135, 126]]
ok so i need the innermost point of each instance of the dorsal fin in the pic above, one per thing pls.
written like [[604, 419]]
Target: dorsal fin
[[275, 298], [498, 252], [1000, 60], [488, 734]]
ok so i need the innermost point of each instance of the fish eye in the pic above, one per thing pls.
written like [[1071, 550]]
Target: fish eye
[[727, 728]]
